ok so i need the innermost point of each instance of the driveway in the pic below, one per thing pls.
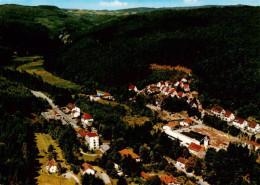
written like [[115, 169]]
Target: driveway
[[69, 175]]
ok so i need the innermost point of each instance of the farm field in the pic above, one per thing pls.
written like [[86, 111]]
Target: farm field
[[36, 67]]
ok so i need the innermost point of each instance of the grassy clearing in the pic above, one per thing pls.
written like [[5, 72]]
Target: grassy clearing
[[135, 120], [36, 67], [43, 141]]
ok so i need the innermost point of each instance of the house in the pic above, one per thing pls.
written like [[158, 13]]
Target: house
[[52, 166], [94, 97], [239, 122], [150, 89], [91, 138], [228, 116], [162, 88], [184, 80], [168, 180], [252, 145], [169, 126], [70, 106], [167, 91], [187, 137], [173, 93], [197, 150], [181, 162], [217, 111], [118, 169], [168, 84], [186, 122], [132, 88], [186, 87], [87, 169], [107, 96], [126, 152], [176, 84], [180, 94], [193, 105], [181, 84], [202, 112], [144, 175], [75, 113], [86, 119], [161, 83], [253, 127], [199, 105]]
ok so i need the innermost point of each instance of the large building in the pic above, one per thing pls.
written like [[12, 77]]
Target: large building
[[91, 138], [186, 138]]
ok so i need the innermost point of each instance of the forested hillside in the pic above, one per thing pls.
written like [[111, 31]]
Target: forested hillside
[[220, 45]]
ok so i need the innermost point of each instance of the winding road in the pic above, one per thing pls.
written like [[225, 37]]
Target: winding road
[[64, 117]]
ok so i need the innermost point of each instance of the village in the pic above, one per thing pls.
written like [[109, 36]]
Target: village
[[190, 131]]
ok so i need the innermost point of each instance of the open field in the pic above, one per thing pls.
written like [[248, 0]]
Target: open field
[[36, 67], [43, 141], [135, 120]]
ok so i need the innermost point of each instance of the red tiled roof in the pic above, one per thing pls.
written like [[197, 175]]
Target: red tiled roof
[[106, 95], [172, 91], [70, 106], [87, 166], [180, 93], [132, 87], [145, 175], [252, 124], [200, 110], [171, 125], [94, 95], [163, 88], [87, 133], [195, 147], [239, 120], [192, 103], [90, 134], [52, 162], [187, 120], [181, 160], [86, 116], [166, 179], [252, 143], [180, 83], [188, 96], [167, 90], [216, 109], [227, 114], [125, 152], [186, 86]]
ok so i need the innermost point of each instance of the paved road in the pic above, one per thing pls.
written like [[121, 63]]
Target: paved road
[[64, 117], [69, 175]]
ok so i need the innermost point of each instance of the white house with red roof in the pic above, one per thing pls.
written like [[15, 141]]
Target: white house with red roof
[[217, 111], [94, 97], [186, 87], [239, 122], [253, 127], [162, 88], [181, 162], [52, 166], [181, 84], [86, 119], [228, 116], [161, 83], [132, 88], [167, 91], [202, 112], [180, 94], [184, 80], [252, 145], [193, 105], [176, 84], [197, 150], [173, 93], [168, 84], [91, 138], [186, 122], [87, 169]]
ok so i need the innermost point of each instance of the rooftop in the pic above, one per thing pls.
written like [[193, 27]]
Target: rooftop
[[194, 135], [125, 152]]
